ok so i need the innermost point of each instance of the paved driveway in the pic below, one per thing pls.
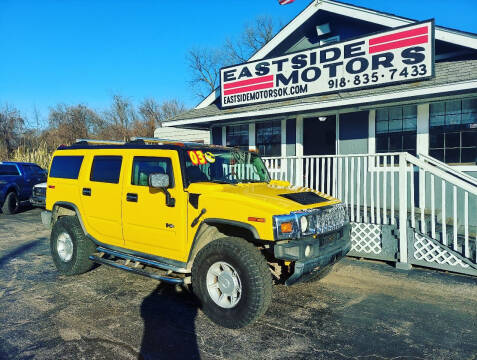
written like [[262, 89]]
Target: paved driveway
[[362, 310]]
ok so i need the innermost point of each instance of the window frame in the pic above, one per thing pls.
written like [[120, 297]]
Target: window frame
[[443, 130], [102, 157], [19, 173], [402, 133], [167, 159], [67, 156], [241, 146], [258, 124]]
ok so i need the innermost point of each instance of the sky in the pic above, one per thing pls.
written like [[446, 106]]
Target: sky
[[72, 51]]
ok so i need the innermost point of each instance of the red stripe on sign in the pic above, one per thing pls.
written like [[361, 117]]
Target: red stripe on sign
[[398, 44], [249, 88], [398, 36], [258, 80]]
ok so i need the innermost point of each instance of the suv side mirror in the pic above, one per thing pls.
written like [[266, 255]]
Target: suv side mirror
[[162, 181], [159, 181]]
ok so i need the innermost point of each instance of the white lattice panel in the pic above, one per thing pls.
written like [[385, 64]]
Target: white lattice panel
[[426, 250], [366, 238]]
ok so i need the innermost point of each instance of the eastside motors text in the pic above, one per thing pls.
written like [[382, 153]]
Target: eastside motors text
[[398, 55]]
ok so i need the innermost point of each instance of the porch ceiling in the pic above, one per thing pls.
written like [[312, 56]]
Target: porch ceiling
[[456, 73]]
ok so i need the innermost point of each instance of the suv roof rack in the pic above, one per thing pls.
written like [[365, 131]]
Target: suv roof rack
[[142, 141], [94, 141], [164, 141]]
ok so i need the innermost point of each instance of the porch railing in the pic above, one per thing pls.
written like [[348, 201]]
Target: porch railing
[[414, 195]]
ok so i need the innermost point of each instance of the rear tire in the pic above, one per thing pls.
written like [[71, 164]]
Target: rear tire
[[11, 205], [232, 281], [70, 248]]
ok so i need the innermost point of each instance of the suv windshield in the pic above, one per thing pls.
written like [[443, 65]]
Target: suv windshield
[[224, 166]]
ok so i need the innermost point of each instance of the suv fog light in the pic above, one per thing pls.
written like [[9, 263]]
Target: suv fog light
[[307, 251]]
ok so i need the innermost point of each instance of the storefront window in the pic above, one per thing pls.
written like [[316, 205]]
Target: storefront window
[[396, 129], [268, 138], [453, 131], [237, 136]]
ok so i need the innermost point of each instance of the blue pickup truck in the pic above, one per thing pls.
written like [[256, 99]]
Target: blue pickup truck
[[16, 183]]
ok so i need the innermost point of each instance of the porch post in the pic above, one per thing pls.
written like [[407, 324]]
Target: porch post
[[251, 136], [224, 135], [372, 132], [403, 185], [422, 137], [299, 151], [284, 137], [422, 147]]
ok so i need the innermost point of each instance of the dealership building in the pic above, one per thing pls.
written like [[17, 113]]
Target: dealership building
[[430, 111], [375, 109]]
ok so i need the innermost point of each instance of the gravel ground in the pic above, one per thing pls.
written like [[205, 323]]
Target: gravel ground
[[361, 310]]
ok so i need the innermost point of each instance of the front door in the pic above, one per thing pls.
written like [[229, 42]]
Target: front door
[[319, 138], [149, 225], [319, 135]]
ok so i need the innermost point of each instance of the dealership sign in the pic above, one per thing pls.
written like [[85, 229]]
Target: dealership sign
[[399, 55]]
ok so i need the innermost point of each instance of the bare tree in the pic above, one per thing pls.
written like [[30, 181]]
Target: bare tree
[[254, 36], [205, 63], [11, 126], [171, 108], [67, 123], [154, 114], [120, 118], [150, 111]]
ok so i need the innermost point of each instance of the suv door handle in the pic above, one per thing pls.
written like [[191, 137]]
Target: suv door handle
[[131, 197], [86, 191]]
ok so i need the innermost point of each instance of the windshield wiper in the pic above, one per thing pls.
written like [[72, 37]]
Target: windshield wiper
[[215, 181]]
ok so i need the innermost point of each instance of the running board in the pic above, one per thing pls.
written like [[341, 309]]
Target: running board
[[137, 271], [142, 260]]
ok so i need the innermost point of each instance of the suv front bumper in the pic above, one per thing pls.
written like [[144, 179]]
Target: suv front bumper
[[312, 256], [38, 201]]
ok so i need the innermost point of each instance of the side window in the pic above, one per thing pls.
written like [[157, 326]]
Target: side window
[[7, 169], [66, 167], [106, 169], [144, 166], [37, 170]]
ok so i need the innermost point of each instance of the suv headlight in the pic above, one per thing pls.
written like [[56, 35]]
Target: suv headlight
[[304, 224]]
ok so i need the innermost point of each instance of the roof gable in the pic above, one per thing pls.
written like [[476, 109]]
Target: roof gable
[[370, 19]]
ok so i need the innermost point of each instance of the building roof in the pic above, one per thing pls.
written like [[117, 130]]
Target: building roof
[[385, 19], [451, 76]]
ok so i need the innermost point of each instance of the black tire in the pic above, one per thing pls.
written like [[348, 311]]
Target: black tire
[[255, 278], [10, 206], [82, 246]]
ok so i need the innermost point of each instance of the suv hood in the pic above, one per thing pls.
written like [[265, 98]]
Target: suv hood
[[278, 197]]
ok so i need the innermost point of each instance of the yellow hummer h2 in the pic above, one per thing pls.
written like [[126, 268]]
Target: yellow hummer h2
[[187, 213]]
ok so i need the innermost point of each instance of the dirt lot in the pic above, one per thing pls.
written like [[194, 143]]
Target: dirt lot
[[361, 310]]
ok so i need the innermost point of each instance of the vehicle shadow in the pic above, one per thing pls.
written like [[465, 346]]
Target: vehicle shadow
[[169, 331], [19, 251]]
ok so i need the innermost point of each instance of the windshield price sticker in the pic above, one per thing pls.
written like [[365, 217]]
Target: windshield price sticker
[[399, 55], [209, 157], [197, 157]]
